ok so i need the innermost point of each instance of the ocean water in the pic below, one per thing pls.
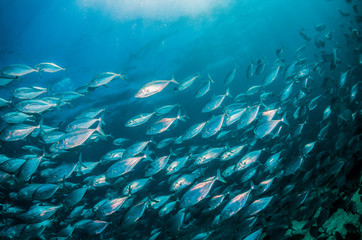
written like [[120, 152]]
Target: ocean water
[[163, 40]]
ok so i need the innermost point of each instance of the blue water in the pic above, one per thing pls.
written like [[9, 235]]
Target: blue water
[[160, 39]]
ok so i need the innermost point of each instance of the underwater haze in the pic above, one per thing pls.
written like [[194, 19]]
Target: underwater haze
[[193, 119]]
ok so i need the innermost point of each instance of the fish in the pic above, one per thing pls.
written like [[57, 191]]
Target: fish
[[230, 153], [258, 205], [250, 71], [166, 109], [272, 75], [139, 119], [248, 116], [75, 196], [134, 213], [234, 116], [123, 166], [82, 123], [17, 132], [187, 83], [136, 148], [5, 80], [17, 70], [104, 78], [230, 77], [164, 124], [176, 165], [204, 88], [247, 160], [34, 106], [193, 131], [156, 166], [110, 206], [215, 102], [17, 117], [153, 87], [234, 205], [28, 93], [39, 213], [199, 191], [208, 155], [48, 67], [184, 181], [266, 128], [74, 139], [213, 126]]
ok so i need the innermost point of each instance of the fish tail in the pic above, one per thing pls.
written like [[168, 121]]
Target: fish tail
[[208, 74], [219, 177], [228, 93], [98, 129], [173, 80], [39, 73], [80, 162], [284, 119]]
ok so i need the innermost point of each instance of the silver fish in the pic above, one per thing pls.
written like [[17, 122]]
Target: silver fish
[[231, 152], [156, 165], [272, 75], [17, 70], [248, 116], [163, 124], [103, 78], [199, 191], [17, 117], [28, 92], [248, 159], [82, 123], [139, 119], [234, 205], [17, 132], [183, 181], [74, 139], [123, 166], [193, 131], [39, 213], [135, 213], [110, 206], [187, 83], [136, 148], [257, 206], [208, 155], [48, 67], [153, 87], [213, 126], [204, 88], [75, 196], [229, 77], [5, 80], [165, 109], [34, 106], [215, 102]]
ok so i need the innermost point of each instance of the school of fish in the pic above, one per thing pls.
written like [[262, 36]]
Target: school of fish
[[257, 159]]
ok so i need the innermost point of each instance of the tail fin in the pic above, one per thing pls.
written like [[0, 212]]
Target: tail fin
[[173, 80], [284, 119], [219, 177], [98, 129], [208, 74], [228, 93], [172, 153], [181, 117], [80, 162], [39, 73]]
